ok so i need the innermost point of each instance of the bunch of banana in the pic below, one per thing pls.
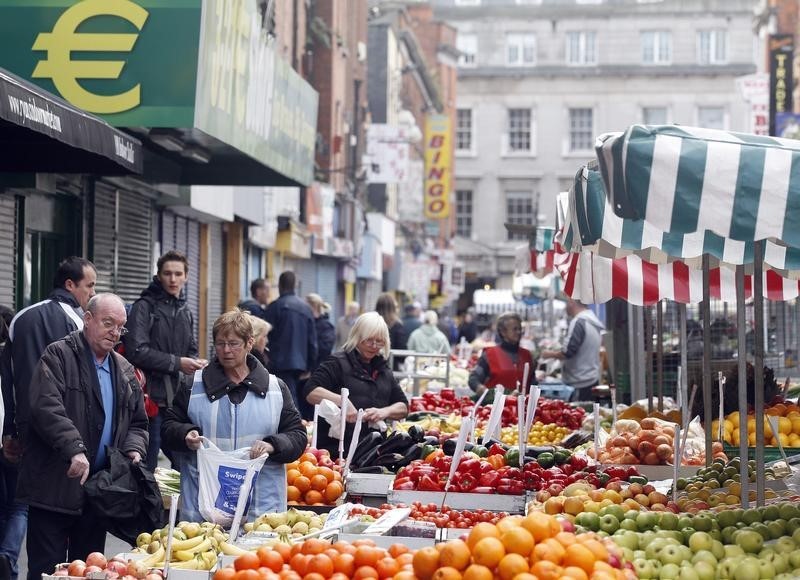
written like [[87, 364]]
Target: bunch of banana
[[200, 561], [194, 546]]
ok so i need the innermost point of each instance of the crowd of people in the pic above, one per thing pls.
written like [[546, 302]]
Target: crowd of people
[[83, 373]]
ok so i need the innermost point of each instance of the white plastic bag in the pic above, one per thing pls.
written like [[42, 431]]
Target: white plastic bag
[[222, 476], [333, 415]]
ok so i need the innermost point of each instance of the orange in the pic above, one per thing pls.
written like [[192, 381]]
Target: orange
[[396, 549], [285, 550], [565, 538], [308, 469], [405, 560], [425, 562], [480, 531], [314, 576], [327, 472], [289, 574], [575, 573], [247, 574], [511, 565], [332, 491], [318, 482], [313, 497], [549, 550], [478, 572], [345, 564], [446, 573], [508, 523], [488, 552], [367, 556], [518, 541], [320, 564], [293, 465], [405, 575], [299, 563], [365, 572], [248, 561], [364, 542], [308, 457], [271, 559], [597, 548], [291, 475], [580, 556], [314, 546], [228, 573], [545, 570], [302, 483], [525, 576], [292, 493], [541, 526], [455, 554], [387, 567], [344, 547]]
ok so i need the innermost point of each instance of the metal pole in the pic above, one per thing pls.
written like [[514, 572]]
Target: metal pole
[[741, 330], [660, 353], [708, 412], [684, 354], [648, 357], [758, 365]]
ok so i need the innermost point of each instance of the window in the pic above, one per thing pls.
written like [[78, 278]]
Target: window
[[656, 47], [520, 49], [654, 115], [464, 131], [712, 46], [464, 213], [581, 129], [711, 117], [520, 131], [467, 44], [519, 210], [581, 48], [468, 2]]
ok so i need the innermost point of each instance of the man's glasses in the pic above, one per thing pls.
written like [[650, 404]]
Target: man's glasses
[[111, 327], [232, 345]]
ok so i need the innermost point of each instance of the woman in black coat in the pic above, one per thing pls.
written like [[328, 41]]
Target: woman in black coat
[[326, 331]]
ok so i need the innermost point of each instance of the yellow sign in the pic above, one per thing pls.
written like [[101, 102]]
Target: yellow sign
[[65, 72], [438, 166]]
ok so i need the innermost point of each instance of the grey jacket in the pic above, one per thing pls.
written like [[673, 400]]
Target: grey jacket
[[582, 350]]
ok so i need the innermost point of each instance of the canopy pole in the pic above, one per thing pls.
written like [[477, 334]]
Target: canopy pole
[[708, 412], [648, 356], [660, 353], [684, 358], [741, 363], [758, 364]]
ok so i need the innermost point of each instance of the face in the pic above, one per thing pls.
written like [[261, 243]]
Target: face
[[173, 277], [262, 294], [352, 311], [371, 347], [104, 327], [511, 332], [231, 349], [84, 289], [260, 343]]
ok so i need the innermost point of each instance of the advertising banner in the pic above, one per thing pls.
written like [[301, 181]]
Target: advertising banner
[[320, 199], [386, 158], [781, 56], [438, 166]]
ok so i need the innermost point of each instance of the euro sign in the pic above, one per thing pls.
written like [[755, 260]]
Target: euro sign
[[65, 72]]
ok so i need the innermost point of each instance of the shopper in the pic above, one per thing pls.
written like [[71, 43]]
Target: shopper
[[260, 348], [581, 351], [411, 317], [70, 429], [428, 338], [235, 402], [504, 364], [361, 367], [386, 306], [468, 329], [294, 340], [326, 333], [161, 340], [259, 297], [345, 323]]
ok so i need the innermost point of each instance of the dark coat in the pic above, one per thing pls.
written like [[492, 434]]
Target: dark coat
[[326, 337], [373, 385], [32, 329], [293, 338], [67, 419], [160, 332], [253, 307]]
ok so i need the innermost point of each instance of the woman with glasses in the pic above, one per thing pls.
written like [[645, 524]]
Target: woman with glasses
[[235, 403], [361, 367]]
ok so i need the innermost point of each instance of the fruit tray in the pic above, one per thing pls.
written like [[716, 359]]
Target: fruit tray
[[387, 541], [513, 504], [770, 453], [373, 484]]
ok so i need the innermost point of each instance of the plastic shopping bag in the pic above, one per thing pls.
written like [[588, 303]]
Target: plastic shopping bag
[[223, 476]]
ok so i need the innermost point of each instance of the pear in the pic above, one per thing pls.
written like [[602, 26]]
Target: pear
[[291, 517], [191, 529], [305, 516], [315, 523], [264, 528], [143, 539], [282, 529], [300, 528], [248, 527], [276, 519]]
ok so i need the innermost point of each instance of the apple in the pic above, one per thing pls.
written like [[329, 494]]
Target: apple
[[731, 551], [688, 573], [700, 541], [718, 549], [705, 570], [784, 545], [117, 567], [767, 568], [646, 520], [668, 521], [669, 571], [702, 523], [77, 568], [655, 547], [609, 523], [98, 559], [779, 561], [91, 570], [627, 539], [629, 525], [704, 556], [643, 568], [749, 541], [794, 559]]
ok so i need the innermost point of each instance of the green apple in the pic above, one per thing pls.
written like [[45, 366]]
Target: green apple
[[643, 568], [687, 533], [746, 569], [626, 539], [794, 560], [669, 572], [639, 555], [727, 534], [688, 573], [718, 549], [704, 556], [646, 520], [727, 518], [684, 522], [615, 510], [589, 520], [671, 554], [796, 537], [763, 530], [767, 569], [705, 570], [792, 525], [784, 545], [751, 516], [645, 538], [700, 541], [702, 523], [732, 551], [627, 554], [654, 548], [629, 525], [749, 541], [668, 521], [779, 561], [609, 523], [788, 511], [776, 529], [674, 534], [771, 513], [631, 515], [727, 569]]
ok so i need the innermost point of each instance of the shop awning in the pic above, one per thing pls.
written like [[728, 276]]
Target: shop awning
[[496, 301], [41, 133]]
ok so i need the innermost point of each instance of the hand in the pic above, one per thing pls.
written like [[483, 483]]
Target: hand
[[79, 467], [352, 413], [12, 449], [193, 440], [134, 456], [260, 448], [374, 414], [190, 365]]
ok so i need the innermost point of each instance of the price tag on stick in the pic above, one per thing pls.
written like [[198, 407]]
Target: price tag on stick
[[459, 450], [678, 459], [613, 390], [525, 373], [343, 422], [241, 502], [522, 433], [354, 441], [721, 388], [533, 401], [316, 427], [173, 513], [496, 414], [596, 410]]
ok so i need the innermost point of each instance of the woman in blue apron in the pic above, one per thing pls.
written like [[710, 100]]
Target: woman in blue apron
[[234, 402]]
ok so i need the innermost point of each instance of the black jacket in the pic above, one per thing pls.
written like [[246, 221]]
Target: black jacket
[[293, 338], [32, 329], [160, 332], [289, 442], [66, 418], [371, 385], [326, 337], [253, 307]]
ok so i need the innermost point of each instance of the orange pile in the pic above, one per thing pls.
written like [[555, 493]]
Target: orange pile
[[311, 484]]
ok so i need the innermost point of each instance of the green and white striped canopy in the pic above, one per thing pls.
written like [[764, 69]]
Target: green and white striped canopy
[[685, 179]]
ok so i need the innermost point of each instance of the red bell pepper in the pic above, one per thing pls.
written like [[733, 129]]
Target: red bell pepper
[[489, 479], [471, 466], [466, 481], [426, 483], [496, 449], [483, 489]]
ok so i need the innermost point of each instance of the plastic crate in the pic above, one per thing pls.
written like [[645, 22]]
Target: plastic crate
[[558, 391]]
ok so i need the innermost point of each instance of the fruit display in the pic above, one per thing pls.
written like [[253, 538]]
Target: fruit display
[[719, 485], [609, 503], [540, 434], [195, 546], [444, 402], [788, 418], [292, 523], [443, 516], [314, 479]]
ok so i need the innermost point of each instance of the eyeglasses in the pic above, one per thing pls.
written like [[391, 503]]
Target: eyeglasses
[[111, 327], [233, 345], [373, 342]]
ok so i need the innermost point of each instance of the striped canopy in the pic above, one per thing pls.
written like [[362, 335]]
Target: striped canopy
[[686, 179]]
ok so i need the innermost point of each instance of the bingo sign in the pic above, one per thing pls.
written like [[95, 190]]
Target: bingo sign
[[437, 166]]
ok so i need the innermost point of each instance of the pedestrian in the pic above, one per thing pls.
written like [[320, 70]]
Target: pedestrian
[[428, 338], [84, 398], [235, 402], [504, 364], [386, 306], [259, 297], [361, 367], [260, 348], [346, 322], [468, 329], [581, 351], [293, 340], [326, 333], [161, 340], [12, 513], [29, 333], [411, 319]]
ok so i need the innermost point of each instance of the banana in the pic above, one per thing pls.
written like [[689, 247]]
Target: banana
[[208, 559], [193, 564], [191, 552], [155, 558], [231, 550], [179, 545]]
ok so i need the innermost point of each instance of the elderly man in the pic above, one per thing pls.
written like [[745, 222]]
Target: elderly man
[[84, 398]]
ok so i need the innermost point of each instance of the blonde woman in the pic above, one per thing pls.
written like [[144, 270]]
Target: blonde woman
[[326, 332], [261, 330]]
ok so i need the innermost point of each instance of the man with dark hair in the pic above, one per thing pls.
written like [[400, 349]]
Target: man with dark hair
[[29, 333], [259, 296], [84, 399], [411, 319], [161, 340], [293, 340]]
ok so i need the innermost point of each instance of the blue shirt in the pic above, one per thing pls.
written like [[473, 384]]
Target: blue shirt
[[107, 393]]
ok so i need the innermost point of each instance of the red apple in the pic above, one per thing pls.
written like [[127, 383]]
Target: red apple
[[96, 559], [117, 566], [91, 570], [77, 568]]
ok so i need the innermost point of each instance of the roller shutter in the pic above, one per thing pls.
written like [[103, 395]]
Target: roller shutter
[[104, 237], [216, 267], [8, 249], [327, 275], [181, 234]]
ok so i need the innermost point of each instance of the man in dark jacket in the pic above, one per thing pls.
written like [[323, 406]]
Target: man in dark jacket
[[293, 340], [29, 333], [259, 296], [161, 340], [84, 398]]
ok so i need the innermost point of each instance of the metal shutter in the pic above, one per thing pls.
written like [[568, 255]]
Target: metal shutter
[[327, 274], [216, 288], [134, 245], [8, 249], [104, 237], [305, 272]]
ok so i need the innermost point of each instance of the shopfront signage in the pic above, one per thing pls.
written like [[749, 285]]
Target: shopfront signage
[[781, 85], [438, 166]]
